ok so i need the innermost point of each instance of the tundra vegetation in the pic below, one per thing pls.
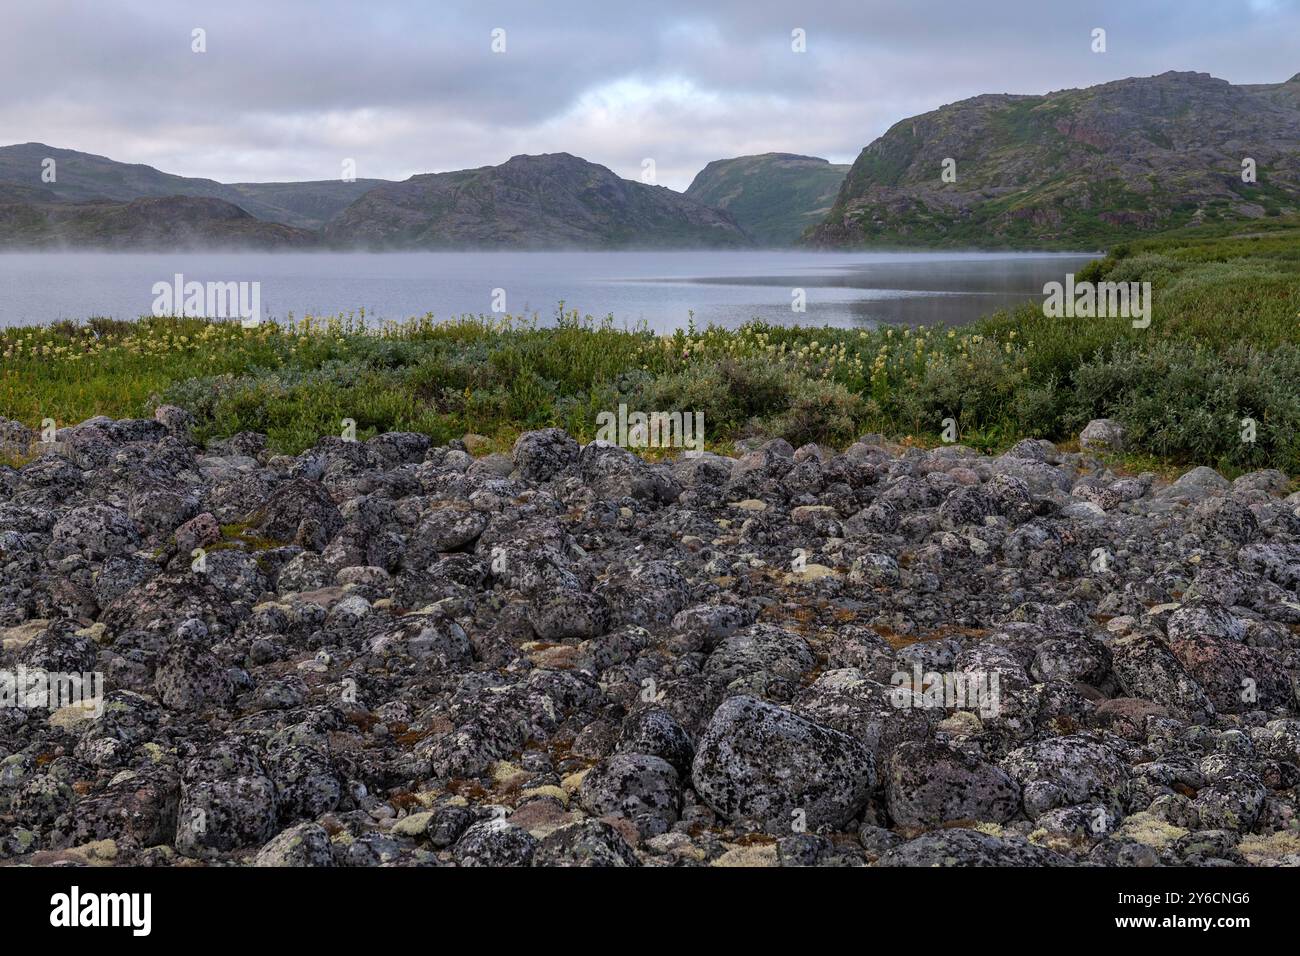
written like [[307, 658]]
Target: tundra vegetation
[[1223, 347]]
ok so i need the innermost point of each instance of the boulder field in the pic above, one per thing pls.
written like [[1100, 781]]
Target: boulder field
[[394, 653]]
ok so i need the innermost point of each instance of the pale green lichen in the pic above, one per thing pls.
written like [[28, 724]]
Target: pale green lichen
[[549, 790], [413, 825], [154, 751], [1264, 850], [758, 855], [1148, 829]]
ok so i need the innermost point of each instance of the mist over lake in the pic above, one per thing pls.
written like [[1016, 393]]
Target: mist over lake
[[661, 289]]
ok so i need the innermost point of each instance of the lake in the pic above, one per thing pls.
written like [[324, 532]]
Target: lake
[[853, 289]]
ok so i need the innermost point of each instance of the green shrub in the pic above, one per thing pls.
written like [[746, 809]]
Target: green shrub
[[819, 411], [731, 392], [976, 386], [1187, 403]]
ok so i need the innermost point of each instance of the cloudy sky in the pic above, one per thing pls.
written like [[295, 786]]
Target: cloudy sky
[[289, 89]]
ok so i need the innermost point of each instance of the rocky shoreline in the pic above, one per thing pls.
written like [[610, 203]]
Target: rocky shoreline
[[389, 653]]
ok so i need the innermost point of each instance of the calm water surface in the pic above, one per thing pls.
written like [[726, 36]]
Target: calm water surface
[[658, 288]]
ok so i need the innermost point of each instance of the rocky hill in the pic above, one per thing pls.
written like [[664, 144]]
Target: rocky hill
[[13, 192], [84, 176], [162, 224], [549, 201], [1076, 167], [774, 197]]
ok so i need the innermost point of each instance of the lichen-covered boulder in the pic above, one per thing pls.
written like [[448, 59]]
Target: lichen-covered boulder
[[761, 762]]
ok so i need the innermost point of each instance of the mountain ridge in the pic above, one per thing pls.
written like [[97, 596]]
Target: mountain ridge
[[87, 176], [1072, 168], [1084, 165], [166, 222], [530, 201], [773, 196]]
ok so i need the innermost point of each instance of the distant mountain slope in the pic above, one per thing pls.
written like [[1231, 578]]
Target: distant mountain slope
[[1077, 167], [175, 222], [772, 196], [307, 205], [549, 201], [13, 192], [86, 176], [81, 176]]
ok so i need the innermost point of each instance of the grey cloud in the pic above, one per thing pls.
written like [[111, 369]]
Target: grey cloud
[[288, 89]]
